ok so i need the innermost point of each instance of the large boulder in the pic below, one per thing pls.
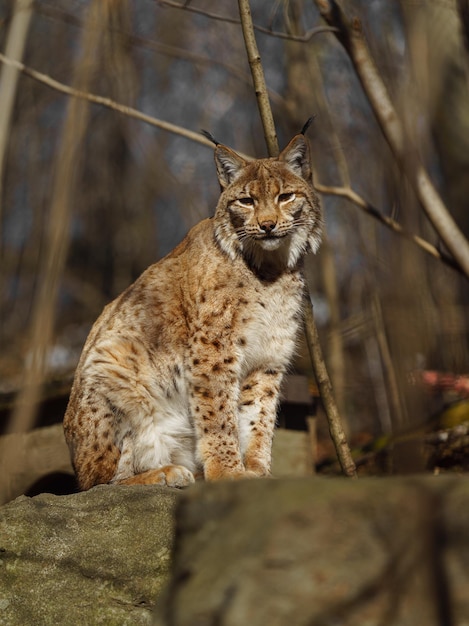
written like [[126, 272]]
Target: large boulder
[[99, 557], [321, 552], [289, 552]]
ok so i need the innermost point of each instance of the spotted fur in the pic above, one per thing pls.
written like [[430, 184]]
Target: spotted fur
[[180, 375]]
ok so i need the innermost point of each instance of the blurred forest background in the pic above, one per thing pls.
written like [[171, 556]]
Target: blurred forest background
[[89, 196]]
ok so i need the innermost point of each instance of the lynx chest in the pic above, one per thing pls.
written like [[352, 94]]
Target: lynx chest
[[269, 323]]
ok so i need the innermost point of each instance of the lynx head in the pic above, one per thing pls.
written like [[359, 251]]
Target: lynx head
[[267, 211]]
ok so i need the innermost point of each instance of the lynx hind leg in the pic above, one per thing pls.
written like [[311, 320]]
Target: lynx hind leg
[[170, 475], [94, 459]]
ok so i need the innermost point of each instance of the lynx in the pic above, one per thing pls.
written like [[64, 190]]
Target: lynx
[[180, 375]]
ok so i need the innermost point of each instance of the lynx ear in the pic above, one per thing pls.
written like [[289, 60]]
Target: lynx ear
[[297, 157], [229, 165]]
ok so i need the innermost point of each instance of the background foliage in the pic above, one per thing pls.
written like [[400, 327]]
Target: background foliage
[[90, 196]]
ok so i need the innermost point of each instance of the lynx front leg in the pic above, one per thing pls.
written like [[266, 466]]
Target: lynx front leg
[[257, 414], [214, 411], [214, 392]]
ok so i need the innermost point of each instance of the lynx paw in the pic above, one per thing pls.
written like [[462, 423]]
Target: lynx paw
[[170, 475], [257, 468], [246, 474], [232, 475], [177, 476]]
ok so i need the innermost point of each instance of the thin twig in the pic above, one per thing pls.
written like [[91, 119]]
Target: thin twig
[[258, 78], [350, 35], [112, 104], [398, 411], [350, 194], [106, 102], [160, 48], [325, 389], [312, 338], [15, 43], [307, 36]]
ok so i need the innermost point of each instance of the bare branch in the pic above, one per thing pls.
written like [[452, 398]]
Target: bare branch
[[187, 7], [351, 36], [258, 78], [312, 337], [349, 194], [55, 251], [267, 31], [57, 242], [15, 43], [324, 384], [106, 102], [160, 48]]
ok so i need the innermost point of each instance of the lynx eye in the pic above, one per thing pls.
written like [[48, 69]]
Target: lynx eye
[[246, 201], [286, 197]]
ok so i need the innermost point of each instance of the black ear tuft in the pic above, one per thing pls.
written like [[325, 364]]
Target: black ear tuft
[[209, 136], [307, 124], [296, 157], [229, 165]]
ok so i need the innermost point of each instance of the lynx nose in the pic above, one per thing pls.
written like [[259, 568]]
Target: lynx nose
[[267, 226]]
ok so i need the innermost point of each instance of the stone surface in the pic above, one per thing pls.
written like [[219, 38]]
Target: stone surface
[[321, 552], [99, 557], [453, 536], [290, 552], [37, 454], [291, 454]]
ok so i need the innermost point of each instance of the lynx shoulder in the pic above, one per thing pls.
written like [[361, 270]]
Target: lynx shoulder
[[180, 375]]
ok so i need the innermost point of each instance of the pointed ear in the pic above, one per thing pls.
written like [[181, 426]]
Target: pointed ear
[[229, 165], [297, 157]]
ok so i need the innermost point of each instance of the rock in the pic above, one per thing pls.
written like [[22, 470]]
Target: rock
[[42, 461], [321, 552], [291, 454], [37, 454], [99, 557], [290, 552]]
